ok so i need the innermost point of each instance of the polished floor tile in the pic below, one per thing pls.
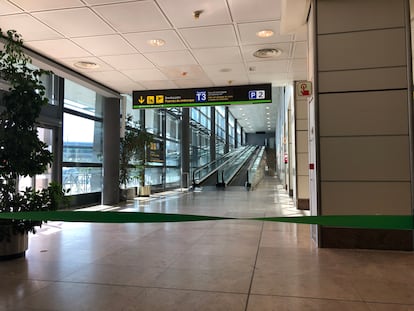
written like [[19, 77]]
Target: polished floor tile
[[235, 264]]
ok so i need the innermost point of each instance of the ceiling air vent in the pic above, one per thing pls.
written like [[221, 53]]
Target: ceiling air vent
[[267, 53]]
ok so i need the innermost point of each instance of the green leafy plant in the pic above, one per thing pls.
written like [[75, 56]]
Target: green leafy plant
[[134, 146], [22, 153]]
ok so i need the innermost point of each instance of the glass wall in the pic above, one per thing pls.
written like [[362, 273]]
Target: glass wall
[[173, 149], [231, 132], [220, 131], [82, 139], [200, 137]]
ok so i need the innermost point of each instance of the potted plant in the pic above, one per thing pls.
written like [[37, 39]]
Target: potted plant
[[134, 146], [22, 153]]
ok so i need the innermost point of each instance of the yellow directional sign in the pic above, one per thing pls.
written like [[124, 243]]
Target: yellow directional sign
[[159, 99], [141, 100], [150, 100]]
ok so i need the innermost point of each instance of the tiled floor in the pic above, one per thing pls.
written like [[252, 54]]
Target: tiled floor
[[213, 265]]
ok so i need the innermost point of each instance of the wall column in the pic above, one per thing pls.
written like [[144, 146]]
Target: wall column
[[363, 111], [301, 141]]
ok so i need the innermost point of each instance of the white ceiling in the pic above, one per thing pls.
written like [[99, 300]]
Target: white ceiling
[[214, 50]]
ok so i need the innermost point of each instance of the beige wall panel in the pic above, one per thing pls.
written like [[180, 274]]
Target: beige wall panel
[[351, 15], [364, 79], [301, 110], [302, 142], [375, 158], [301, 125], [365, 49], [302, 160], [365, 198], [364, 113], [303, 187]]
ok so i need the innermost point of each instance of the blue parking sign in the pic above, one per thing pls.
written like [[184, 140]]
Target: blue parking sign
[[252, 94]]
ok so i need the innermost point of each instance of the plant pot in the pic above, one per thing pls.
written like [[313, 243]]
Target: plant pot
[[144, 191], [127, 194], [15, 246]]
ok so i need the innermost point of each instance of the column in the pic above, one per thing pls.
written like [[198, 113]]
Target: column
[[363, 116], [111, 127], [185, 148], [301, 141]]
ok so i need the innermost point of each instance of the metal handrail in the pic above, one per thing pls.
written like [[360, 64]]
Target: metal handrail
[[256, 170], [228, 173]]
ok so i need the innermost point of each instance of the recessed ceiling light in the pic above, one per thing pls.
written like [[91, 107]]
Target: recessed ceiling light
[[266, 33], [267, 53], [267, 107], [156, 42], [86, 65]]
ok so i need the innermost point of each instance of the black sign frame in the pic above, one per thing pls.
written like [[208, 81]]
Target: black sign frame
[[203, 96]]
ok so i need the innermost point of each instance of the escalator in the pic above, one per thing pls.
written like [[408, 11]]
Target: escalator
[[239, 168]]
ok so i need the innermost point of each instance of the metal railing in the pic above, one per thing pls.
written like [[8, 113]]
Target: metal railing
[[202, 173], [256, 170]]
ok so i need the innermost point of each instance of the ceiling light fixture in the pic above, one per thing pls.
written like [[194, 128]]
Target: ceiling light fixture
[[86, 65], [156, 42], [225, 70], [267, 53], [266, 33]]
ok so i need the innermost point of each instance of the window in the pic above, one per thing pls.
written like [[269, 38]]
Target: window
[[82, 140]]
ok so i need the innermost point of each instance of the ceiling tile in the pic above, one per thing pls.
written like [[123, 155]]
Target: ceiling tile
[[107, 76], [134, 16], [248, 51], [225, 55], [224, 70], [248, 33], [96, 2], [173, 58], [39, 5], [215, 12], [58, 49], [248, 10], [130, 61], [159, 85], [139, 75], [270, 66], [28, 27], [300, 65], [8, 8], [239, 80], [189, 83], [275, 78], [140, 41], [300, 50], [70, 62], [78, 22], [213, 36], [302, 33], [183, 72], [296, 76], [105, 45]]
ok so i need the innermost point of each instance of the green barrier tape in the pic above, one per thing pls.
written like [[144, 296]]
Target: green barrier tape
[[399, 222]]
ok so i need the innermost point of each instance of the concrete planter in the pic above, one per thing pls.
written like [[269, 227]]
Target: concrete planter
[[144, 191], [14, 247], [127, 194]]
